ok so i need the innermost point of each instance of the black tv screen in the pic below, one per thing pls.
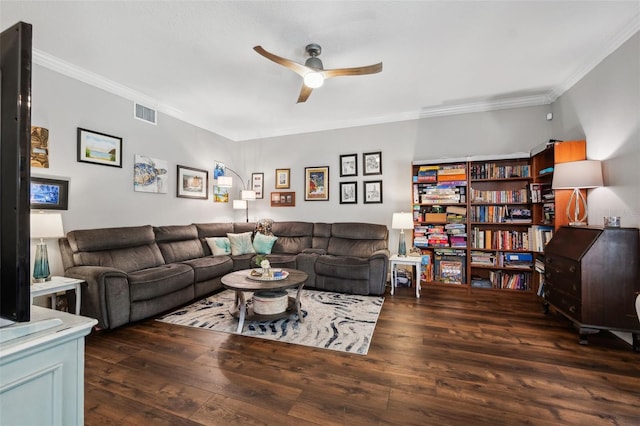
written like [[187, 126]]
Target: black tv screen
[[15, 141]]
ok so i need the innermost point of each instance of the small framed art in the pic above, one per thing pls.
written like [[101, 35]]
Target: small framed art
[[348, 192], [348, 165], [372, 163], [99, 148], [257, 184], [192, 183], [50, 194], [372, 191], [283, 199], [283, 177], [316, 183]]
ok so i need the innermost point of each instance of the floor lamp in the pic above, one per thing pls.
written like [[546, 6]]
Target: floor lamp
[[577, 175], [246, 195]]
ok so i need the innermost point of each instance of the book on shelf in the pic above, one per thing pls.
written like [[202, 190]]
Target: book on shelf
[[539, 236], [450, 272]]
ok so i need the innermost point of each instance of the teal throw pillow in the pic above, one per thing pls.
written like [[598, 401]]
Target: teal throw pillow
[[241, 243], [263, 243], [219, 245]]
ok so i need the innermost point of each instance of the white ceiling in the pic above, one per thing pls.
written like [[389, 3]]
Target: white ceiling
[[194, 59]]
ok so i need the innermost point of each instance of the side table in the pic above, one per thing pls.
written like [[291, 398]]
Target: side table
[[57, 284], [415, 261]]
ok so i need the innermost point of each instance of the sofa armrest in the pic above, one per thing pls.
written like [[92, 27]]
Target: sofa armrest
[[314, 251], [384, 253], [105, 296]]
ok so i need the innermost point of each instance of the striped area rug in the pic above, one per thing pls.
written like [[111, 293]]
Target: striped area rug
[[335, 321]]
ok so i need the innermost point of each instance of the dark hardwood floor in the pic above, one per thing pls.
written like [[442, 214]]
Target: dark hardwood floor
[[448, 358]]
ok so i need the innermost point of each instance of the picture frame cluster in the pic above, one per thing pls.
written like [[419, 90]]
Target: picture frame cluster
[[372, 189]]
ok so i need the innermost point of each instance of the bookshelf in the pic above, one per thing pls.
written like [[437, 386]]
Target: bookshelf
[[482, 222], [500, 218], [549, 206]]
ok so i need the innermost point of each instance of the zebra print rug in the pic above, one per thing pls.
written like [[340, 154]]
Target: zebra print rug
[[335, 321]]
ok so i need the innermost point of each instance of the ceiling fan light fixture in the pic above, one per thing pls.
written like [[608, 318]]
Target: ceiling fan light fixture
[[313, 80]]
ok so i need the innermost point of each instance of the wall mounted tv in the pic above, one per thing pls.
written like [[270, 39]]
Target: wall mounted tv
[[15, 140]]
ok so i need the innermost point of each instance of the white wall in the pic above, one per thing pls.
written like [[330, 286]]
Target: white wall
[[604, 108], [102, 196], [497, 132]]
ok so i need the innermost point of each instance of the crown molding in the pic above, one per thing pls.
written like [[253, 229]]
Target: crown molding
[[625, 33], [484, 106]]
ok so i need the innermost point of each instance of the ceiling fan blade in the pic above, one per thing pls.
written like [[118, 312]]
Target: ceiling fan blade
[[293, 66], [369, 69], [305, 91]]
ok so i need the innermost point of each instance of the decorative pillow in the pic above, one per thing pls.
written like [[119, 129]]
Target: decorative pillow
[[241, 243], [263, 243], [263, 226], [219, 245]]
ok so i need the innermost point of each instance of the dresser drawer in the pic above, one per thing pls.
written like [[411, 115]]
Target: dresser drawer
[[570, 306], [564, 274]]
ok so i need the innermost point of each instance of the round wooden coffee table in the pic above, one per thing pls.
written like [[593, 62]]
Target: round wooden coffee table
[[240, 282]]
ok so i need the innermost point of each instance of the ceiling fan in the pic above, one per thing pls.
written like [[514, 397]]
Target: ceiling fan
[[312, 72]]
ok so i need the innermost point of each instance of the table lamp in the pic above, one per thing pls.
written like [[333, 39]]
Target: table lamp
[[577, 175], [44, 225], [402, 221]]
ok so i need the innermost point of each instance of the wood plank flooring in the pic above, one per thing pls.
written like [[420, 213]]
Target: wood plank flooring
[[448, 358]]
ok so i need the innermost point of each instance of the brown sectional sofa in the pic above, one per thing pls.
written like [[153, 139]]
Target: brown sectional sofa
[[132, 273]]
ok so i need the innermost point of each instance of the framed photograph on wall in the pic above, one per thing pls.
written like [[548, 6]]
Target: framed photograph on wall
[[192, 183], [316, 183], [283, 178], [257, 184], [348, 192], [283, 199], [348, 165], [372, 163], [99, 148], [50, 194], [372, 192]]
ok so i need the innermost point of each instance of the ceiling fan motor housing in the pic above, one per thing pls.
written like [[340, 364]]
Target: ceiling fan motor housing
[[314, 62]]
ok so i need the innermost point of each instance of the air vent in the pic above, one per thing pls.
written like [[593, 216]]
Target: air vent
[[144, 113]]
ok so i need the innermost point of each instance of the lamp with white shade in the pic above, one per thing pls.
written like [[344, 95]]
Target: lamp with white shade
[[44, 226], [577, 175], [402, 221], [245, 195]]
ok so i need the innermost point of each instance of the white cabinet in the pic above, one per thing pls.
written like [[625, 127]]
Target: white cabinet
[[42, 373]]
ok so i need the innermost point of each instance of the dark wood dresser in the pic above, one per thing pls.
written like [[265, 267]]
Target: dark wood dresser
[[592, 276]]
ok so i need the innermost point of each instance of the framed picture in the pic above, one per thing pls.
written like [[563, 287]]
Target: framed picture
[[150, 174], [192, 183], [49, 193], [283, 180], [283, 199], [218, 169], [99, 148], [372, 163], [220, 194], [372, 191], [348, 192], [349, 165], [257, 184], [39, 147], [316, 183]]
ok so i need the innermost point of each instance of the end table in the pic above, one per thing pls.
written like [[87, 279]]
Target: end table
[[57, 284], [415, 261]]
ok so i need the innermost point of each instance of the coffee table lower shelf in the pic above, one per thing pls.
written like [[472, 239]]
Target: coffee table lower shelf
[[292, 307]]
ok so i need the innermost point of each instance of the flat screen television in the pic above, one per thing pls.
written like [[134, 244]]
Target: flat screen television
[[15, 141]]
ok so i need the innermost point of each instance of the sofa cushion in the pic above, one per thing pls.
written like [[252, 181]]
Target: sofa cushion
[[127, 260], [344, 267], [219, 245], [241, 243], [283, 260], [357, 239], [207, 268], [110, 238], [263, 243], [213, 229], [178, 243], [154, 282], [293, 237]]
